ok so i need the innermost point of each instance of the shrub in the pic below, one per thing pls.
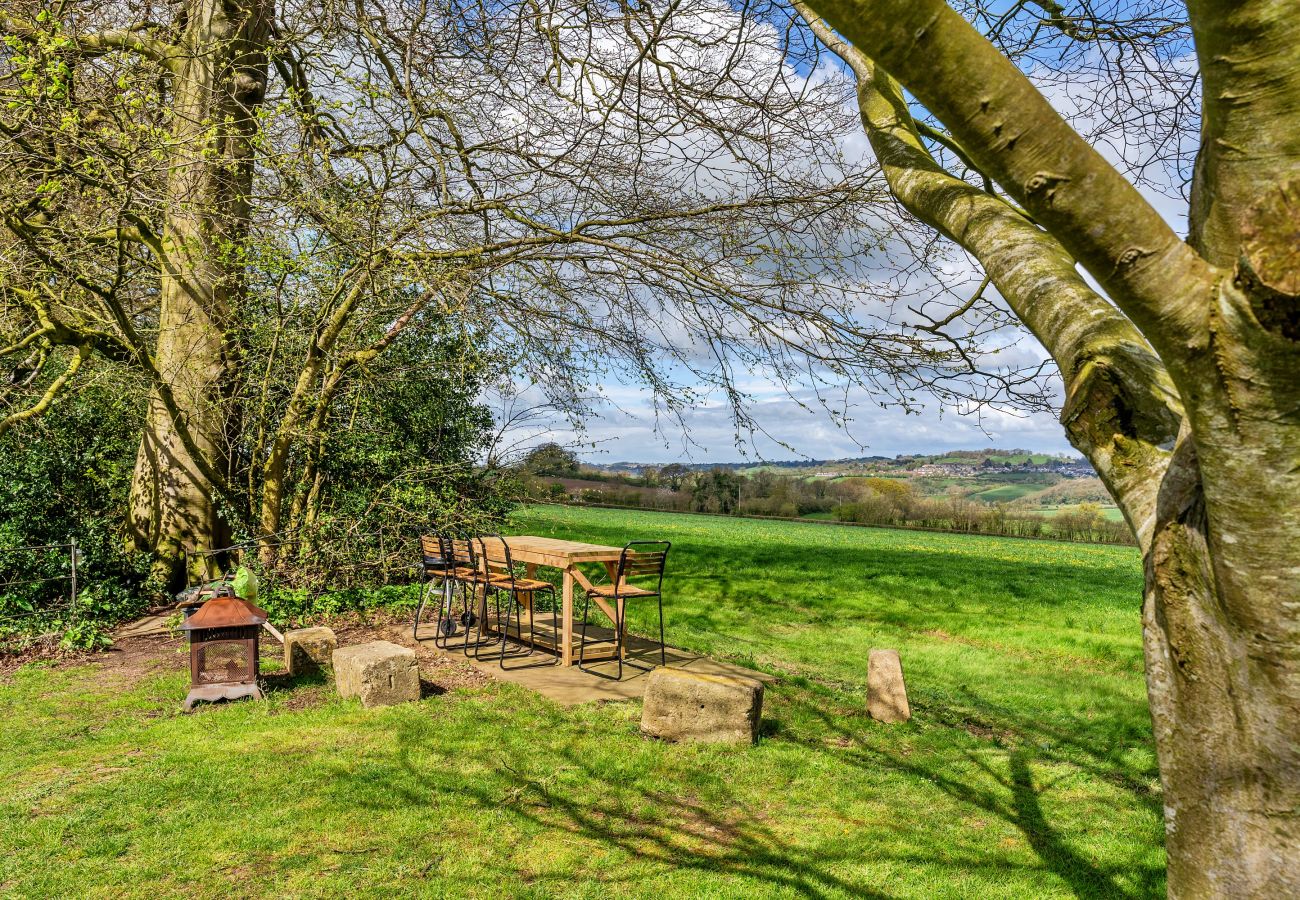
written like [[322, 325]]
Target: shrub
[[68, 474]]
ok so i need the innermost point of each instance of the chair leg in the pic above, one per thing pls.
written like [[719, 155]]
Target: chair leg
[[617, 640], [441, 637], [663, 645], [620, 613], [419, 607], [516, 609], [437, 625], [505, 630], [468, 598], [559, 630], [478, 644]]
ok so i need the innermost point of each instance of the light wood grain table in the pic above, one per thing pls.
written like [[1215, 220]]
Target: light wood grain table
[[565, 556]]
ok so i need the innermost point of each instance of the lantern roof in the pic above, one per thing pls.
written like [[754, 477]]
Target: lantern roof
[[224, 612]]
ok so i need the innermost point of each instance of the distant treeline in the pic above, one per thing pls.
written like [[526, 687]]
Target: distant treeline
[[1084, 522], [869, 501]]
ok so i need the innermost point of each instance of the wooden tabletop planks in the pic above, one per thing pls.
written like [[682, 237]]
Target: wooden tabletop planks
[[566, 555], [561, 554]]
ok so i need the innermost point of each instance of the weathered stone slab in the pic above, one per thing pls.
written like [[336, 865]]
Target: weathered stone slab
[[309, 650], [379, 673], [886, 691], [693, 706]]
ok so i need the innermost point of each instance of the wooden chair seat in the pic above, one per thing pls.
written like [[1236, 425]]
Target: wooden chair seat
[[627, 590], [524, 584]]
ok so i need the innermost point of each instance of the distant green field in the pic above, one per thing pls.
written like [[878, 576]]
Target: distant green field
[[1111, 513], [1005, 493], [1027, 771]]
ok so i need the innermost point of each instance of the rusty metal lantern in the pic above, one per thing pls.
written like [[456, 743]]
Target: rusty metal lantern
[[224, 649]]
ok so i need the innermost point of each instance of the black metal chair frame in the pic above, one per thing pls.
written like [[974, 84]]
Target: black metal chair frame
[[470, 574], [630, 566], [433, 568], [507, 583]]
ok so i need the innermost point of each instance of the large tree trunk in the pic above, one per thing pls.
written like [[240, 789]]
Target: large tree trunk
[[183, 463], [1224, 699], [1223, 574], [1218, 518]]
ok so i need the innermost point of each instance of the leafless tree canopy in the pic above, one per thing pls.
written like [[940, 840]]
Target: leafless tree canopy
[[660, 190]]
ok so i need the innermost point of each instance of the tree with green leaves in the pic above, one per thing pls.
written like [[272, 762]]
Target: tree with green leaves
[[551, 459]]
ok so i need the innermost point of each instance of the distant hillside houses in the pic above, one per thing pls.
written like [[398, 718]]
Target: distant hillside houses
[[1062, 467], [948, 470]]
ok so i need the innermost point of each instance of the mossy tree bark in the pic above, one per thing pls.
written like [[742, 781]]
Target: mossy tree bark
[[1183, 388], [219, 80]]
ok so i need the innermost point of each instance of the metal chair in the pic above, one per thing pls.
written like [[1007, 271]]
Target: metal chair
[[639, 560], [435, 563], [494, 552], [471, 574]]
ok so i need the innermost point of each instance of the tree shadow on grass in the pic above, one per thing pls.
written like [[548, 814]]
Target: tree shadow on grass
[[1015, 797], [679, 832], [557, 787]]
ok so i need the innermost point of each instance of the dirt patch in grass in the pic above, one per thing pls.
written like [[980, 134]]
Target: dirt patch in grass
[[14, 656], [300, 698], [131, 658], [440, 671], [135, 658]]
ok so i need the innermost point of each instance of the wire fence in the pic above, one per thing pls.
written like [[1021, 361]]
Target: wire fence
[[67, 605], [311, 559]]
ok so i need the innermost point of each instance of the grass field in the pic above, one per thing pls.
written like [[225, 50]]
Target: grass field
[[1110, 513], [1027, 771], [1005, 493]]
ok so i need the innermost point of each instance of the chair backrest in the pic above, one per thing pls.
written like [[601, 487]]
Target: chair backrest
[[643, 559], [462, 552], [494, 556], [434, 552]]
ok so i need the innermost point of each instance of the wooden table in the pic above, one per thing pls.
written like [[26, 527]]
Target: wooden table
[[564, 555]]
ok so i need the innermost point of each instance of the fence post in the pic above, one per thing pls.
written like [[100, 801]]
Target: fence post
[[72, 542]]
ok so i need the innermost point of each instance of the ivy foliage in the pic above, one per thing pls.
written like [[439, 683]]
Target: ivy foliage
[[62, 476]]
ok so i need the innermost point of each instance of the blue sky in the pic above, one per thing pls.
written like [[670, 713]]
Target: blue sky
[[625, 429]]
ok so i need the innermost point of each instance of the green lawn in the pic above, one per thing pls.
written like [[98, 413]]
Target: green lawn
[[1028, 769]]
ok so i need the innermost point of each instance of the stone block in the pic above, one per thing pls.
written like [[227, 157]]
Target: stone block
[[308, 650], [886, 691], [379, 673], [691, 706]]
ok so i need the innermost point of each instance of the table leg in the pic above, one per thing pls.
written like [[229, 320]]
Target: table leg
[[566, 637]]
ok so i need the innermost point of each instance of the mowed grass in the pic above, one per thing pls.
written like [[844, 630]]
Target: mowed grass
[[1027, 770]]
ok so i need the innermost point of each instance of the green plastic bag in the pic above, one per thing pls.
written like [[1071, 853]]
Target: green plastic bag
[[244, 584]]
